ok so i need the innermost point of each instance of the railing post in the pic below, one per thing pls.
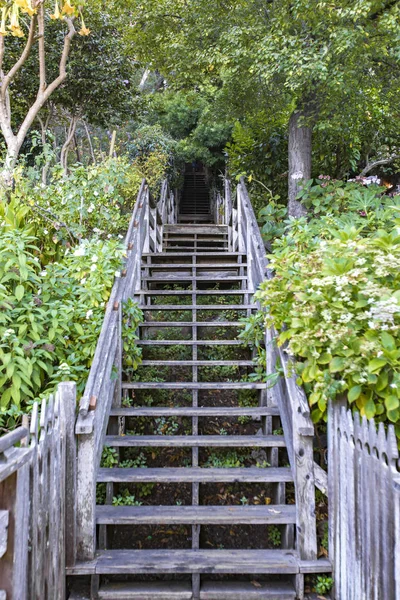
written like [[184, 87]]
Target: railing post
[[86, 493], [396, 485], [67, 408], [305, 495]]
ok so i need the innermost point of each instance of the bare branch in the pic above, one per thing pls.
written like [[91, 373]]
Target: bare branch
[[377, 163], [42, 52], [22, 59], [2, 49], [45, 95]]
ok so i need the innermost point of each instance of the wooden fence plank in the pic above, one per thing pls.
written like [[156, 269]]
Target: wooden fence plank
[[364, 507]]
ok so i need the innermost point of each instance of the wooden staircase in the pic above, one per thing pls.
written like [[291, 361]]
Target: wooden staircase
[[195, 202], [178, 419]]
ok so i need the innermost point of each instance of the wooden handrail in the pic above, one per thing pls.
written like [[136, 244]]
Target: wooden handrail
[[144, 235], [245, 235]]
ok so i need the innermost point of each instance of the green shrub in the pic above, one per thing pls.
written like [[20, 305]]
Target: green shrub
[[60, 251], [335, 299]]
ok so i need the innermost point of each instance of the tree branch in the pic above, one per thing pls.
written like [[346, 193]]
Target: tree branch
[[382, 161], [45, 95], [42, 52], [22, 59]]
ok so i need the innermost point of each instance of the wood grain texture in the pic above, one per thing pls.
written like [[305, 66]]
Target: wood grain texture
[[364, 531], [213, 515], [195, 474]]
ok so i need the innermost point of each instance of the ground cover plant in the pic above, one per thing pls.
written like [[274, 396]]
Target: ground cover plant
[[335, 299]]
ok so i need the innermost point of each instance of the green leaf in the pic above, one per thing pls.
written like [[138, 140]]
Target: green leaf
[[382, 382], [324, 359], [354, 393], [376, 364], [337, 364], [19, 292], [79, 328], [392, 402], [369, 409], [388, 341]]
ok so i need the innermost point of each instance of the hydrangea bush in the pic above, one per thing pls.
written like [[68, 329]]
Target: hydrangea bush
[[335, 299]]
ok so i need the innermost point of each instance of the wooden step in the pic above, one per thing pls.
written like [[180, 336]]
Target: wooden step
[[191, 292], [195, 441], [195, 475], [183, 277], [192, 324], [191, 385], [198, 411], [201, 307], [190, 343], [130, 562], [171, 590], [189, 266], [202, 229], [191, 249], [204, 239], [279, 514], [243, 590], [198, 253], [197, 363], [211, 590]]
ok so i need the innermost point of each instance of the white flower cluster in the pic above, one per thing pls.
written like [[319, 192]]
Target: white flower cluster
[[80, 251], [8, 333], [383, 311]]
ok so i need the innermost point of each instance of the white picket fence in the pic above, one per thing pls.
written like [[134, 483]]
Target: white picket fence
[[364, 507]]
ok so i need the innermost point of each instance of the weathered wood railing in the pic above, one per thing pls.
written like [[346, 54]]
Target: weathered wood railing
[[364, 507], [37, 464], [103, 385], [298, 428], [364, 468]]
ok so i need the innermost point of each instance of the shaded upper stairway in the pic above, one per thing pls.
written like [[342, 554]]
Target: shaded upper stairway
[[195, 495], [194, 206]]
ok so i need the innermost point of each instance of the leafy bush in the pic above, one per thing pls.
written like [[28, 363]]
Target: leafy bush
[[50, 317], [335, 299], [60, 251]]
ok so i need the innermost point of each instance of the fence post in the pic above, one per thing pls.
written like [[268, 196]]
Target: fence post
[[396, 486], [86, 491], [334, 409], [67, 408]]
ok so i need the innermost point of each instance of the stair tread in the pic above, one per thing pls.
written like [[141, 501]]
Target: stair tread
[[195, 474], [190, 266], [198, 253], [198, 306], [189, 561], [246, 590], [224, 441], [194, 411], [191, 385], [152, 590], [190, 343], [181, 515], [198, 363], [210, 590], [191, 323], [182, 277], [190, 248], [191, 292]]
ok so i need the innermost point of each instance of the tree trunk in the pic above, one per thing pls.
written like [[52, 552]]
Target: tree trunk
[[299, 160], [66, 147], [7, 173]]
